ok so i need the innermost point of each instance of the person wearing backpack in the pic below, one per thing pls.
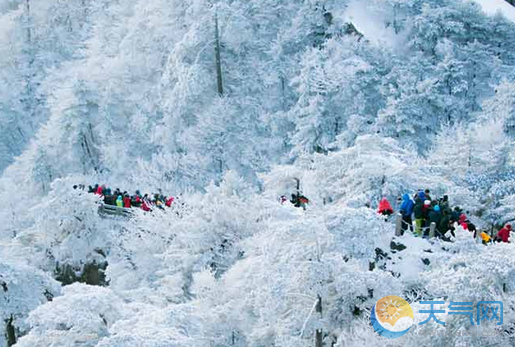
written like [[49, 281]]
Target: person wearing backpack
[[406, 210]]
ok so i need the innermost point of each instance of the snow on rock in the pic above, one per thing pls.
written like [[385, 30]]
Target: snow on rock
[[82, 316], [372, 24], [493, 7], [22, 289]]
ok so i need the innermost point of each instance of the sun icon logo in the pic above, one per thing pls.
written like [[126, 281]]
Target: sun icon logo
[[391, 310], [392, 316]]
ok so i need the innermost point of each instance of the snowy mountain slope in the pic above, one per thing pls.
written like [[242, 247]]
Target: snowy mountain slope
[[170, 275], [424, 100]]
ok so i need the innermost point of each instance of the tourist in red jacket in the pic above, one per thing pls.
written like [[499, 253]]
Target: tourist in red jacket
[[384, 207], [126, 201], [504, 233]]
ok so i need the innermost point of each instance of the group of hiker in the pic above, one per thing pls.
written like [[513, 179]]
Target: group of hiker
[[418, 212], [124, 200], [424, 211]]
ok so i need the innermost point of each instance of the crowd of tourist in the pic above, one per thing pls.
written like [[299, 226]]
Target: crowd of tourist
[[420, 211], [125, 200]]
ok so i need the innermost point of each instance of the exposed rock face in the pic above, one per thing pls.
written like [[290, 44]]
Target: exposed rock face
[[10, 332], [91, 273]]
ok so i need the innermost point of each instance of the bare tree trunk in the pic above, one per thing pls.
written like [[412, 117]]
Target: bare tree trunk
[[30, 51], [27, 10], [396, 26], [87, 150], [218, 59], [283, 91], [318, 332], [84, 12]]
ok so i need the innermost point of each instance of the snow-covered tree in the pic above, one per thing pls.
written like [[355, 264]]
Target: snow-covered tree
[[345, 102]]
